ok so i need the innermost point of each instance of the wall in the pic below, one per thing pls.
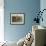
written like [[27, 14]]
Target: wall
[[43, 6], [29, 7]]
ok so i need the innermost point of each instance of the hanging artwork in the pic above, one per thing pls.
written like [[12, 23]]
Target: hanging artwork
[[17, 18]]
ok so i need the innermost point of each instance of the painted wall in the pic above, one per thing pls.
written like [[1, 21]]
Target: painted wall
[[29, 7], [43, 6]]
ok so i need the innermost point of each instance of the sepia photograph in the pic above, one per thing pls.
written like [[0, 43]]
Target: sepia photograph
[[17, 18]]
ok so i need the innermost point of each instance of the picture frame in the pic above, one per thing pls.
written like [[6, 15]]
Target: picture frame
[[17, 18]]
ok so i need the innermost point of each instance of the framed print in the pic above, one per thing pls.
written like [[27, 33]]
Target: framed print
[[17, 18]]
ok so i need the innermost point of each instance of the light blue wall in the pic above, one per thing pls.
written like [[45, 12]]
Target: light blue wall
[[29, 7], [43, 6]]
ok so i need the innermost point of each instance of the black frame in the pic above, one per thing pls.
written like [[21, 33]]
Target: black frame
[[17, 24]]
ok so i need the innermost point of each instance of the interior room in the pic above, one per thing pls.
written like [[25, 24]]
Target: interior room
[[22, 23]]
